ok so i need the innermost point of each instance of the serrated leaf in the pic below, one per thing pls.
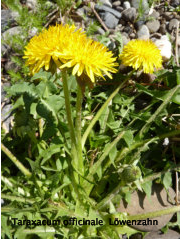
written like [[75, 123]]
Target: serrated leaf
[[49, 108]]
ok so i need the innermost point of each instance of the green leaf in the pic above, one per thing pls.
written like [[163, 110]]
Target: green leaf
[[167, 180], [128, 137], [147, 187], [112, 154], [49, 108], [176, 97]]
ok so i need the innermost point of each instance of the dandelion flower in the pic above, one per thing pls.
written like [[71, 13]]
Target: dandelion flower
[[69, 48], [141, 54], [49, 45], [89, 57]]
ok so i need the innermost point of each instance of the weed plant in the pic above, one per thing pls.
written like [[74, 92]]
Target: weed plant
[[76, 151]]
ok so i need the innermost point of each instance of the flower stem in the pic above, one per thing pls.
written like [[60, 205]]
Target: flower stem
[[158, 213], [78, 129], [69, 119], [101, 110], [18, 164]]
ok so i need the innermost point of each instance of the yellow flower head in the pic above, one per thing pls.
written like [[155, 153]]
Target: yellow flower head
[[69, 48], [141, 54], [89, 57], [49, 45]]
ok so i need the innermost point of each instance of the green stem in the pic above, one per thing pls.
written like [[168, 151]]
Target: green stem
[[69, 119], [78, 129], [18, 164], [158, 213], [161, 107], [101, 110], [126, 151], [18, 199]]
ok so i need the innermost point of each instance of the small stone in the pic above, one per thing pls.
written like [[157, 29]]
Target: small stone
[[11, 66], [132, 35], [104, 8], [106, 2], [81, 12], [167, 15], [6, 117], [143, 32], [119, 9], [159, 235], [116, 3], [162, 29], [175, 3], [164, 45], [100, 30], [110, 20], [153, 25], [144, 5], [138, 24], [129, 14], [128, 30], [124, 39], [7, 19], [126, 5], [31, 4], [7, 35], [155, 14], [173, 24], [33, 32], [5, 49]]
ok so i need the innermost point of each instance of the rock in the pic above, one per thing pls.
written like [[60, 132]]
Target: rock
[[162, 29], [108, 9], [119, 8], [116, 4], [140, 204], [129, 14], [125, 39], [5, 49], [173, 24], [81, 12], [159, 235], [132, 35], [154, 14], [7, 35], [6, 117], [175, 3], [7, 19], [126, 5], [165, 47], [167, 15], [153, 25], [144, 6], [128, 29], [100, 30], [106, 2], [33, 32], [143, 32], [110, 20], [31, 4], [139, 23], [11, 66]]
